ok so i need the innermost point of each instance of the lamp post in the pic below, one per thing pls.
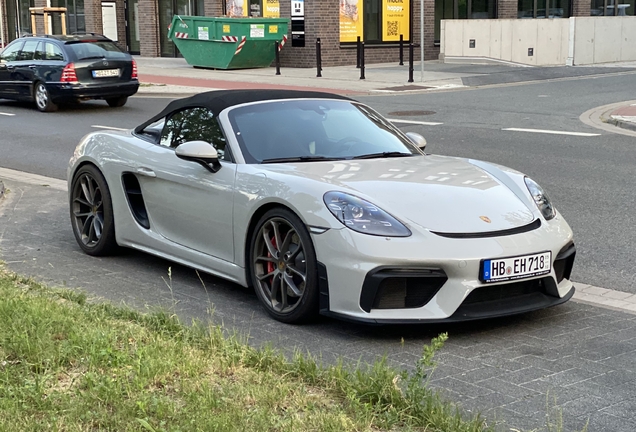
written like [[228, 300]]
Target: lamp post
[[422, 40]]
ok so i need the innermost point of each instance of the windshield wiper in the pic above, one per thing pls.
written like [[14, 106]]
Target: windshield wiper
[[300, 159], [383, 155]]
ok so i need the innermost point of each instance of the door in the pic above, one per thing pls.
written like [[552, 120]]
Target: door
[[132, 26], [25, 68], [186, 203], [167, 9], [8, 58]]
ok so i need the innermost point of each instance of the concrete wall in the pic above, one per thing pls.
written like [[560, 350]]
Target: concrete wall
[[508, 40], [604, 40], [554, 42]]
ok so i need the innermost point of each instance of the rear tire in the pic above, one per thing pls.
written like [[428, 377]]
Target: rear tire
[[117, 102], [42, 98]]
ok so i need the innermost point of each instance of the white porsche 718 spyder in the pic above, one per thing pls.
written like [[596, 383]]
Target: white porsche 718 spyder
[[321, 205]]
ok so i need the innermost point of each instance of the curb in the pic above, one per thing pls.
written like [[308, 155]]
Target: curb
[[622, 124]]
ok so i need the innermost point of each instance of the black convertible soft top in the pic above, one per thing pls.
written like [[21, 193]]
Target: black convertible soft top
[[217, 101]]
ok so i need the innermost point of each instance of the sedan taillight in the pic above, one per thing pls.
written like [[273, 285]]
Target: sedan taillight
[[134, 70], [68, 74]]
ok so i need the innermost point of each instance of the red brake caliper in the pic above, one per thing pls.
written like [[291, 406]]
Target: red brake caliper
[[270, 265]]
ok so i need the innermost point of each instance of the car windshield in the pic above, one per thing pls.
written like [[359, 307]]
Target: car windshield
[[93, 49], [314, 130]]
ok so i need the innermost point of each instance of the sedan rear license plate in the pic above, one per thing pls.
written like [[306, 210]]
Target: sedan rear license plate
[[518, 267], [104, 73]]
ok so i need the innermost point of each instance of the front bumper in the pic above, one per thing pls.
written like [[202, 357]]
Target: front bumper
[[62, 92], [446, 270]]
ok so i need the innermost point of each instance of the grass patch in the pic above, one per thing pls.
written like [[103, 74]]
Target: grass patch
[[69, 364]]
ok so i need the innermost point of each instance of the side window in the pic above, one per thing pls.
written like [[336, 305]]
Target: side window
[[10, 53], [53, 52], [28, 51], [194, 124], [39, 51]]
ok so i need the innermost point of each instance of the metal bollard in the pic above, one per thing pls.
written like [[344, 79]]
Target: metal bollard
[[358, 53], [318, 59], [277, 58], [401, 50], [411, 62], [362, 60]]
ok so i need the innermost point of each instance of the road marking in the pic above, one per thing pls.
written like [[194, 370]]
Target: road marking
[[7, 114], [108, 127], [414, 122], [545, 131]]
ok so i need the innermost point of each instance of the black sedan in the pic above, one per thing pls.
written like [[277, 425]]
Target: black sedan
[[52, 70]]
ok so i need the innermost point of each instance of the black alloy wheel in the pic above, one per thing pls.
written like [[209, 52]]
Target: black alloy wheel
[[116, 102], [92, 212], [283, 267], [42, 98]]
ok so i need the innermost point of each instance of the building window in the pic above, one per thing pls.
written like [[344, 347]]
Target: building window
[[538, 9], [613, 8], [75, 18], [462, 9], [374, 21]]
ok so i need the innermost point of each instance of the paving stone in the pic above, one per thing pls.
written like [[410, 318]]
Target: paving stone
[[461, 387], [505, 387]]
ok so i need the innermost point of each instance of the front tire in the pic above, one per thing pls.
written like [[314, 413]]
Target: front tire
[[91, 211], [42, 98], [117, 102], [283, 267]]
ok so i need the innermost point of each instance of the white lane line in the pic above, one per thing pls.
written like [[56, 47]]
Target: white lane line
[[414, 122], [7, 114], [108, 127], [545, 131]]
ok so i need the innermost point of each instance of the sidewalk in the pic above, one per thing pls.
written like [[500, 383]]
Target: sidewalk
[[168, 75]]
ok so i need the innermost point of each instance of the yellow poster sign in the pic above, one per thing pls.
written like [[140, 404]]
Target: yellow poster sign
[[395, 20], [350, 20], [236, 8], [272, 9]]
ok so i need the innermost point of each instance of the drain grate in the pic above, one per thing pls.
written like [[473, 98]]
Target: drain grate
[[411, 113]]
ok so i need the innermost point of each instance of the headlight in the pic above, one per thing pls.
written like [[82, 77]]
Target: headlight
[[363, 217], [541, 199]]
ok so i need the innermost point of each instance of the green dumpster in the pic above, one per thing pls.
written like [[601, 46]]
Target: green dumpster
[[227, 43]]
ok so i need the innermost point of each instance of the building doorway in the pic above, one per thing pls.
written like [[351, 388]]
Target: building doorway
[[167, 9], [132, 27]]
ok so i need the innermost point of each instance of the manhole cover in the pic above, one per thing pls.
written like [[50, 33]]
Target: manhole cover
[[411, 113]]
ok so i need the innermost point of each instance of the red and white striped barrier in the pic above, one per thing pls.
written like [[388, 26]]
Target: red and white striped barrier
[[240, 46], [229, 38], [280, 45], [179, 35]]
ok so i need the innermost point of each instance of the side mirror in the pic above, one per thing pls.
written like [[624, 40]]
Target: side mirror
[[200, 152], [417, 139]]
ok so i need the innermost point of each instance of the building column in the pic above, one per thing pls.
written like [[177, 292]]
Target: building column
[[149, 28], [93, 16], [213, 8], [507, 9], [581, 8]]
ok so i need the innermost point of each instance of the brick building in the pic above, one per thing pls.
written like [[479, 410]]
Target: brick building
[[141, 26]]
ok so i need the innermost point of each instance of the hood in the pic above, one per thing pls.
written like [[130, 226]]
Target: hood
[[439, 193]]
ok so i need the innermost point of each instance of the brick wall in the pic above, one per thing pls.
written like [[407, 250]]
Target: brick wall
[[507, 9], [5, 25], [121, 24], [93, 12], [149, 28], [322, 21], [581, 8]]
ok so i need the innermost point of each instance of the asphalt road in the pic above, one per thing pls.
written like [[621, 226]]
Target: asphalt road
[[583, 355]]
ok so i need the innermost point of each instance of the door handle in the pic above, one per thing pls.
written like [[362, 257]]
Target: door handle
[[10, 67], [146, 172], [32, 66]]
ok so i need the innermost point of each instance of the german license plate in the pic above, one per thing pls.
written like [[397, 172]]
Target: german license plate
[[518, 267], [104, 73]]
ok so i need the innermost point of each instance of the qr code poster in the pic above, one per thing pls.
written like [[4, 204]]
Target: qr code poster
[[395, 20]]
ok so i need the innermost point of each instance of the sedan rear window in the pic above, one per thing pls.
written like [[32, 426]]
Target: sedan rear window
[[85, 50]]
